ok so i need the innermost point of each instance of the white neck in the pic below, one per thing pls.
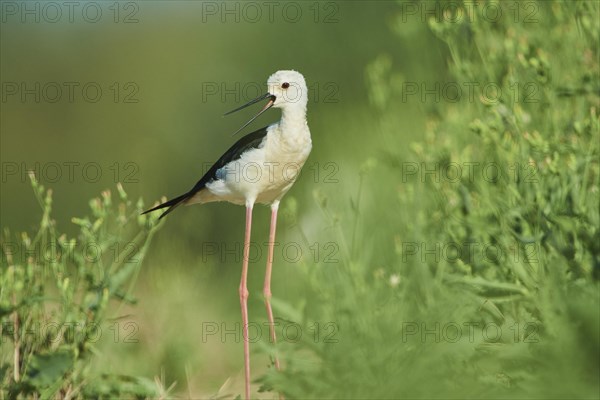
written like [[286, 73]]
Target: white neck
[[293, 118]]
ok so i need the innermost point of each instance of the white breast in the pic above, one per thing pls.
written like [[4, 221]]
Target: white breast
[[263, 174]]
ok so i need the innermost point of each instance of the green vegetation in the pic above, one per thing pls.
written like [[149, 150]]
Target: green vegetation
[[59, 293], [493, 292], [459, 258]]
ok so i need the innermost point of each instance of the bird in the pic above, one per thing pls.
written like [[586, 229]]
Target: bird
[[261, 167]]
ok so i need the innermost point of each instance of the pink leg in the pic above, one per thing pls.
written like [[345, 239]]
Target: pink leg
[[267, 287], [244, 299]]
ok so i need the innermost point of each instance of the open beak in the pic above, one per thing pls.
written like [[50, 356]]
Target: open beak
[[265, 108]]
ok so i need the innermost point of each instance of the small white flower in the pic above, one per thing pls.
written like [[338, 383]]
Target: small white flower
[[394, 280]]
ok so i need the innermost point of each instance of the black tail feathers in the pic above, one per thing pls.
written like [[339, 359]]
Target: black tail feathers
[[172, 204]]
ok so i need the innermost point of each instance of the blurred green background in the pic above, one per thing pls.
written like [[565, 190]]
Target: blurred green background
[[177, 55], [169, 70]]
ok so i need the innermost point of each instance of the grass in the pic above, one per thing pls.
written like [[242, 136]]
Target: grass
[[59, 294], [493, 290]]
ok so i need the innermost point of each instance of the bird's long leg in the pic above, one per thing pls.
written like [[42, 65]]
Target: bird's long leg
[[267, 287], [244, 298]]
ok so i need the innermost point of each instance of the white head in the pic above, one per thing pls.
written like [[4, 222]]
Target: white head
[[289, 89], [286, 90]]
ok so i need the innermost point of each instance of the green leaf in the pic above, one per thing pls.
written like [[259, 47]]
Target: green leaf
[[45, 369], [120, 385]]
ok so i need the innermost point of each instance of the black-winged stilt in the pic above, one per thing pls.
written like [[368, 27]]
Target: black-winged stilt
[[260, 167]]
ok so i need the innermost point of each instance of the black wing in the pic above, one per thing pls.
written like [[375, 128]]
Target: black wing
[[248, 142]]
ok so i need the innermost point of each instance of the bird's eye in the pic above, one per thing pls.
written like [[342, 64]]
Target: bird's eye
[[285, 85]]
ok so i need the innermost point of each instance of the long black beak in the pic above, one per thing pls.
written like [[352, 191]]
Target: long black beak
[[265, 108]]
